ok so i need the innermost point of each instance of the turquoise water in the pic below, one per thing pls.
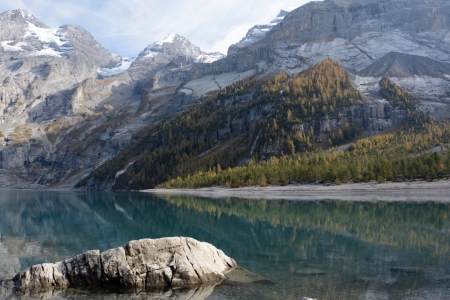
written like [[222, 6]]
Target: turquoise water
[[317, 249]]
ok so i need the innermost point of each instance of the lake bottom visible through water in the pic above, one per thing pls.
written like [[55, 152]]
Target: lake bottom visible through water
[[316, 249]]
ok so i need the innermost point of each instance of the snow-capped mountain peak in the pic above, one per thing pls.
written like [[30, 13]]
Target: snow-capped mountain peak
[[22, 12], [170, 39], [19, 17], [177, 45], [23, 35], [280, 17], [173, 40], [258, 32]]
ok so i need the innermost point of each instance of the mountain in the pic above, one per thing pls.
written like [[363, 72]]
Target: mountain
[[70, 109], [356, 33], [257, 33], [39, 62], [67, 104], [179, 45], [23, 35], [175, 51]]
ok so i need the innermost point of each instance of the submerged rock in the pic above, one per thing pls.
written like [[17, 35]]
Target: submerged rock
[[241, 275], [309, 272], [141, 264]]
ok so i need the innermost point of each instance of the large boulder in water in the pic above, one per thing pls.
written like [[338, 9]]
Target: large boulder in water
[[146, 263]]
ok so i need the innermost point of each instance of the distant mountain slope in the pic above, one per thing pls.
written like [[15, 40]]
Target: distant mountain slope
[[402, 65]]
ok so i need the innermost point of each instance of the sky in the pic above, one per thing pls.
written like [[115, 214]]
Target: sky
[[126, 27]]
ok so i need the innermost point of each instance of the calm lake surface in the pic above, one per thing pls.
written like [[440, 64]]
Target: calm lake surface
[[317, 249]]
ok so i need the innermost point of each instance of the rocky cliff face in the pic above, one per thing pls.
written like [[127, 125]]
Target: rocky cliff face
[[355, 33]]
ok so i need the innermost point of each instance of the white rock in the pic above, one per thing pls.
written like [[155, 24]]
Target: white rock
[[146, 263]]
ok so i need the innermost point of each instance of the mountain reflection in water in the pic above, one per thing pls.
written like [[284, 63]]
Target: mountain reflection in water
[[319, 249]]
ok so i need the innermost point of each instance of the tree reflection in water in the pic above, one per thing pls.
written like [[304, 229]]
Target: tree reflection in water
[[320, 249]]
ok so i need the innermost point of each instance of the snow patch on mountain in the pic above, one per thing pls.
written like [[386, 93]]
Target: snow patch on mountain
[[157, 47], [6, 45], [208, 58], [46, 35], [55, 41], [169, 39], [123, 67], [46, 52]]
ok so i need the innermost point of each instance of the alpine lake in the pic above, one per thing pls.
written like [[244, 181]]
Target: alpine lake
[[318, 249]]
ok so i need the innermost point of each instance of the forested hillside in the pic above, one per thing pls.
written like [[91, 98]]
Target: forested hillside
[[252, 120], [396, 156], [402, 155]]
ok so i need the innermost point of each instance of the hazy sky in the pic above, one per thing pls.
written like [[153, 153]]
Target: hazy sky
[[126, 27]]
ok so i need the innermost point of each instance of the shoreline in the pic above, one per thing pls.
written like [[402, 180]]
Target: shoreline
[[416, 191]]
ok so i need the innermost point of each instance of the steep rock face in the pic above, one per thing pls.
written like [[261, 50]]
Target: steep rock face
[[256, 33], [142, 264], [355, 33], [372, 116], [365, 31], [39, 63]]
